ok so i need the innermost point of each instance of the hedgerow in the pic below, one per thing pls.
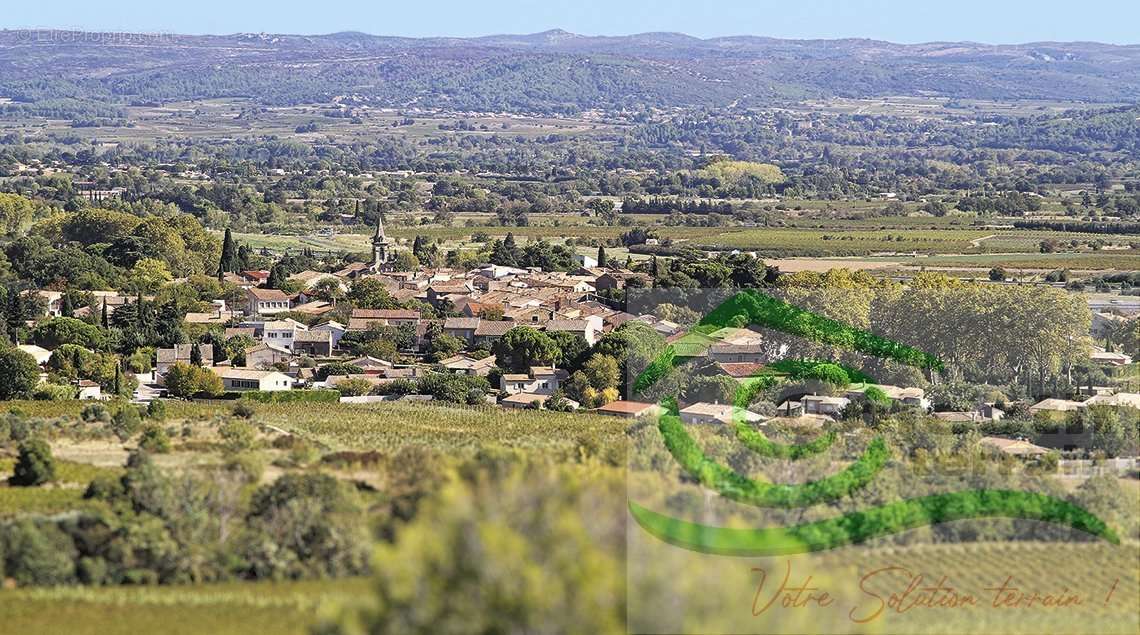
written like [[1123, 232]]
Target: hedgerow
[[292, 396]]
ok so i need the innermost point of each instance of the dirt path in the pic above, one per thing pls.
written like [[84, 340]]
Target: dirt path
[[977, 242]]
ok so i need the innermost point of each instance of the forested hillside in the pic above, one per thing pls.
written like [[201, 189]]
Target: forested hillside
[[547, 72]]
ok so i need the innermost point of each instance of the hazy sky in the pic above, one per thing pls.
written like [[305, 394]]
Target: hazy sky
[[995, 21]]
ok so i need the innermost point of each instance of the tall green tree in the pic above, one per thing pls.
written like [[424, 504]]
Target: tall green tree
[[19, 374], [523, 347], [229, 260]]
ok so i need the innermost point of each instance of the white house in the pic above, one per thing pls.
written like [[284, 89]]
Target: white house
[[281, 333], [587, 262], [541, 380], [704, 412], [371, 365], [336, 328], [1119, 400], [823, 405], [1052, 405], [39, 353], [266, 301], [242, 379], [588, 328], [88, 389]]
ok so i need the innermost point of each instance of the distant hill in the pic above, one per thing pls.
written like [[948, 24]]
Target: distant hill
[[553, 71]]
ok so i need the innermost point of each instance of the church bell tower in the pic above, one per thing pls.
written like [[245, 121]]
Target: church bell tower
[[381, 248]]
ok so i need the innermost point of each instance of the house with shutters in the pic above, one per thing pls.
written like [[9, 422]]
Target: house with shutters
[[281, 333], [539, 380], [246, 379], [266, 301]]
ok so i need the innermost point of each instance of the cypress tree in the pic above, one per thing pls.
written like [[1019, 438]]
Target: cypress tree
[[277, 277], [229, 259], [602, 262], [15, 312], [66, 309], [117, 384], [103, 318]]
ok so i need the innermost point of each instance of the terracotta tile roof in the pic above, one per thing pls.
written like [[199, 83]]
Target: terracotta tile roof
[[494, 328], [313, 336], [235, 331], [181, 353], [268, 294], [461, 323], [386, 314], [741, 369], [567, 325], [623, 407]]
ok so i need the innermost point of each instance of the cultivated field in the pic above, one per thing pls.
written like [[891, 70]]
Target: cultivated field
[[234, 608]]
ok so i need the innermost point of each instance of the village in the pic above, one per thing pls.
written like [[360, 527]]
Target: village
[[272, 341]]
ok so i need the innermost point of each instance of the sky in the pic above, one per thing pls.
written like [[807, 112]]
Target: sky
[[904, 21]]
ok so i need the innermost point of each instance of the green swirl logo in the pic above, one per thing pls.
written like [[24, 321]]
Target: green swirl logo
[[756, 308]]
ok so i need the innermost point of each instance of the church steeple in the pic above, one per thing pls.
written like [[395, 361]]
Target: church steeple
[[381, 255], [379, 235]]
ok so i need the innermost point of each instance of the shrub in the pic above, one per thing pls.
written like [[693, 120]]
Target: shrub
[[244, 409], [237, 436], [314, 529], [104, 487], [875, 395], [454, 388], [186, 380], [337, 368], [354, 387], [156, 410], [829, 373], [95, 413], [38, 553], [247, 466], [126, 422], [484, 541], [53, 392], [34, 465], [154, 439]]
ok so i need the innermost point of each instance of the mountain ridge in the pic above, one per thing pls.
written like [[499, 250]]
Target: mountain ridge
[[552, 71]]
